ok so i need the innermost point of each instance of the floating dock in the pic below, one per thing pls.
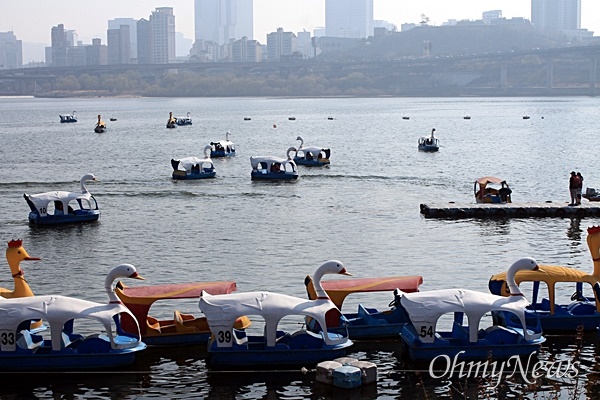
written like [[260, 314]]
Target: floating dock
[[509, 210]]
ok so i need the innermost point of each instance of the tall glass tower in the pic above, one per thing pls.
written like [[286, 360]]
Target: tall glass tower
[[221, 20], [349, 18]]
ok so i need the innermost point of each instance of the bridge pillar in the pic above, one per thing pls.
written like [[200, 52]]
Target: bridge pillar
[[549, 75], [593, 69]]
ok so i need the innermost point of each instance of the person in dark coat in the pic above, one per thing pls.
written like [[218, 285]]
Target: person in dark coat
[[573, 186]]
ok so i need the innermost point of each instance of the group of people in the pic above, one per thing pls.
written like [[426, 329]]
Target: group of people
[[575, 188]]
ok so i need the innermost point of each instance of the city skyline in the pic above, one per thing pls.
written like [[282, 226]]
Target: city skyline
[[269, 15]]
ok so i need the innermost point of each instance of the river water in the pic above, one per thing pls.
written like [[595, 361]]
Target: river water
[[363, 210]]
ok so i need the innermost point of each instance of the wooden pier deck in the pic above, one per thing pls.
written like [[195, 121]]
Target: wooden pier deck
[[509, 210]]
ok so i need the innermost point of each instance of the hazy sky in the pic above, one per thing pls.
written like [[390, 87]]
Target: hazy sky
[[31, 20]]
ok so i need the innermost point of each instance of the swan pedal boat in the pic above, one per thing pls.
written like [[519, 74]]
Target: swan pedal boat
[[274, 168], [424, 341], [312, 156], [429, 143], [559, 318], [193, 168], [367, 323], [183, 329], [487, 189], [67, 118], [60, 348], [81, 206], [172, 121], [100, 126], [223, 148], [187, 120], [230, 348]]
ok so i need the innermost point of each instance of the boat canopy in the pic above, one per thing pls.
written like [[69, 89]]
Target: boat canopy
[[58, 311], [550, 275], [188, 162], [191, 290], [39, 202], [338, 290], [223, 310], [483, 181], [265, 162], [315, 151], [425, 308]]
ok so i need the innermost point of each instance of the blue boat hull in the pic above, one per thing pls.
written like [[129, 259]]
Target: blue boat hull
[[293, 353], [503, 346], [273, 176], [203, 175], [311, 163], [46, 360], [562, 321], [369, 324], [428, 148], [80, 216], [221, 153]]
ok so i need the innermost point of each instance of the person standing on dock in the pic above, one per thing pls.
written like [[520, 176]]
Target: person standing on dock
[[573, 186], [579, 188]]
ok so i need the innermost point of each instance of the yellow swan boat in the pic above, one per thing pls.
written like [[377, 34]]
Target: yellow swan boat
[[584, 310]]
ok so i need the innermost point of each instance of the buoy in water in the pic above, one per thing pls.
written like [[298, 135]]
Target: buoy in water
[[274, 126]]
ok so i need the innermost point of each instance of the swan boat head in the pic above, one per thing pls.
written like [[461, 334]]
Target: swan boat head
[[120, 271], [290, 151], [330, 267], [593, 241], [523, 264], [15, 253], [207, 150], [84, 179]]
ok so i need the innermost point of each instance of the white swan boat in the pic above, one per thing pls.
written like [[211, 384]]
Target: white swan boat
[[429, 143], [230, 348], [274, 168], [60, 207], [223, 148], [187, 120], [311, 156], [425, 341], [66, 118], [61, 348], [194, 167]]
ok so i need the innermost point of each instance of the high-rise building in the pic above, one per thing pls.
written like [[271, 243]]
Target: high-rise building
[[162, 33], [349, 18], [144, 42], [58, 45], [97, 53], [280, 44], [132, 23], [220, 21], [119, 45], [244, 50], [551, 17], [11, 51]]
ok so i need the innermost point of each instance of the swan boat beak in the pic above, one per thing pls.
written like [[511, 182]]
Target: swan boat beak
[[344, 272], [135, 275]]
